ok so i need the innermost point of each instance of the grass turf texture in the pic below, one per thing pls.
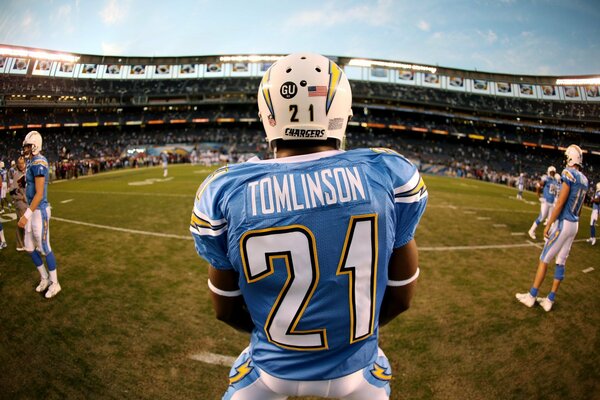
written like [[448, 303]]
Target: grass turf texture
[[134, 307]]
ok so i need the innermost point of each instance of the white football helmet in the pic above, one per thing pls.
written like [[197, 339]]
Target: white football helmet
[[574, 155], [551, 169], [34, 139], [305, 96], [1, 164], [597, 186]]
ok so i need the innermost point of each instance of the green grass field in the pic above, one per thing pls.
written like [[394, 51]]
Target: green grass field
[[134, 306]]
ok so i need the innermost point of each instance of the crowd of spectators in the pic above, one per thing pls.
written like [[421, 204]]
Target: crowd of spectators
[[436, 124], [95, 92]]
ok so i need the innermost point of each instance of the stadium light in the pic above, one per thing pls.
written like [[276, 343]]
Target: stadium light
[[360, 62], [249, 58], [582, 81], [37, 54]]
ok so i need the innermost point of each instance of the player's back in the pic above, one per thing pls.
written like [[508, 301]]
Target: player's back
[[37, 166], [550, 188], [578, 186], [311, 237]]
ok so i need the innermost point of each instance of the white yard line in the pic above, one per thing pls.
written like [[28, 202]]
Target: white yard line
[[8, 217], [499, 225], [517, 233], [424, 248], [66, 201], [114, 228], [188, 196], [472, 210], [539, 246], [484, 218], [487, 247], [585, 271], [212, 358]]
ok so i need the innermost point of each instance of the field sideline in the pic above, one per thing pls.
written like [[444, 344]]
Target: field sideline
[[134, 309]]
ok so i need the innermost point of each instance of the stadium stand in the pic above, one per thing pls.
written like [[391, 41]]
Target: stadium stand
[[462, 123]]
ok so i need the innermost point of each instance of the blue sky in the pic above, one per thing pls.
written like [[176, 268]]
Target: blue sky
[[541, 37]]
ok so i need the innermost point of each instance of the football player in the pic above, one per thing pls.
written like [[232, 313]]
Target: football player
[[165, 163], [594, 218], [561, 229], [36, 219], [520, 186], [311, 251], [546, 191], [3, 186], [2, 238]]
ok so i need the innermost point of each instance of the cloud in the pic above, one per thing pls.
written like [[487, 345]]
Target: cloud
[[424, 26], [490, 36], [27, 20], [63, 17], [335, 14], [114, 12], [113, 49], [63, 11]]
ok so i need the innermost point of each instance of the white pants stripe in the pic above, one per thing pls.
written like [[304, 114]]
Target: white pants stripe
[[37, 232], [561, 236]]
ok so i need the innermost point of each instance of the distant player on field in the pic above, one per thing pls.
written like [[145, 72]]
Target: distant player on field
[[313, 250], [3, 186], [594, 217], [546, 191], [165, 163], [561, 229], [520, 185], [36, 219], [2, 238]]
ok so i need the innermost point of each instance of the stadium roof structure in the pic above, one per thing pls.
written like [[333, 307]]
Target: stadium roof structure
[[52, 55]]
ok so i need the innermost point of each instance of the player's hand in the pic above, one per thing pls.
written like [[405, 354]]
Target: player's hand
[[547, 231], [22, 222]]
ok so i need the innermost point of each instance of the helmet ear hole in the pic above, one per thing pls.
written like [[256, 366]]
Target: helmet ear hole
[[318, 69]]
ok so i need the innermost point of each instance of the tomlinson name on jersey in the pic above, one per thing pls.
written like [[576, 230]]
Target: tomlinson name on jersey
[[301, 191]]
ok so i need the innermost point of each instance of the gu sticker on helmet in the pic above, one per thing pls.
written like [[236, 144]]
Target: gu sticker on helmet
[[288, 90]]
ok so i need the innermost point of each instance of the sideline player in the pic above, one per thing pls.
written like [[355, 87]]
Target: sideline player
[[165, 163], [311, 251], [3, 244], [3, 186], [520, 186], [19, 197], [561, 229], [547, 187], [594, 217], [36, 219]]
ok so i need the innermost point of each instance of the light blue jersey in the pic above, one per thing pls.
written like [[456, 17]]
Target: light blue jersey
[[38, 166], [4, 175], [596, 206], [550, 188], [578, 186], [311, 237]]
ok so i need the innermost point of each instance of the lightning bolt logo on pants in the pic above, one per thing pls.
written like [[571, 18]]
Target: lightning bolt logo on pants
[[379, 373], [242, 371]]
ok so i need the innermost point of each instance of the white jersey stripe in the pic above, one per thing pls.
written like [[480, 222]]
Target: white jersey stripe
[[410, 185]]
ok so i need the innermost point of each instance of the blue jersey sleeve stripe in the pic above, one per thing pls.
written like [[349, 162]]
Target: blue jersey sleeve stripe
[[410, 185]]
